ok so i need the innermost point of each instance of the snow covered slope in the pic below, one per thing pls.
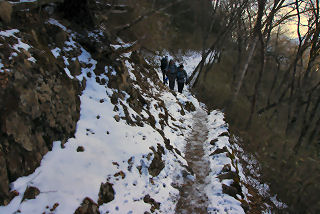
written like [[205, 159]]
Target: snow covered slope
[[127, 155]]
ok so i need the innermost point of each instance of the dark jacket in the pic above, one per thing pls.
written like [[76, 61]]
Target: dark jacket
[[164, 63], [181, 75], [172, 72]]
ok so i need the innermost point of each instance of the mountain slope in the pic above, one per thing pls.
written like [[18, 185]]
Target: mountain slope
[[128, 152]]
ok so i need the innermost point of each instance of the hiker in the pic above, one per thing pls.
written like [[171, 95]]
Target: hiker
[[164, 66], [172, 74], [181, 78]]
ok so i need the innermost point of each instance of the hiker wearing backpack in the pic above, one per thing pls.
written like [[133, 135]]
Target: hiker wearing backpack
[[181, 78], [172, 74], [164, 66]]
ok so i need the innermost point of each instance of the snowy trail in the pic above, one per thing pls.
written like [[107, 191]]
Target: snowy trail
[[193, 198]]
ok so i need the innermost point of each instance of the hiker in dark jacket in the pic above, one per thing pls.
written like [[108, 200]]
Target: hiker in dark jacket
[[172, 74], [181, 78], [164, 66]]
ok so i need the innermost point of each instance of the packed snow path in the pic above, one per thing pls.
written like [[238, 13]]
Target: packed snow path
[[193, 198]]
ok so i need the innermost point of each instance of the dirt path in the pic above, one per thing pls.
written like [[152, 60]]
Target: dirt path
[[193, 199]]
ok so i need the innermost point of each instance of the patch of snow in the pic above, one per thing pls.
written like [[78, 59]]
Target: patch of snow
[[13, 54], [122, 44], [71, 43], [191, 61], [219, 202], [55, 22], [56, 52], [9, 33], [65, 59], [1, 66], [32, 59], [68, 73], [86, 58], [21, 45], [95, 35], [277, 202]]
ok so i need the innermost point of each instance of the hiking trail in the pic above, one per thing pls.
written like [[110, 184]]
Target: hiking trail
[[193, 198]]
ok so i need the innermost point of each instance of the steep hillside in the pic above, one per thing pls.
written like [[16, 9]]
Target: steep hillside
[[87, 126]]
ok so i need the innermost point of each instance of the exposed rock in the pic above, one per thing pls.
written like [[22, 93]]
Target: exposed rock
[[79, 11], [157, 163], [30, 193], [182, 112], [39, 104], [60, 38], [245, 206], [80, 149], [120, 174], [5, 11], [224, 134], [54, 207], [106, 193], [219, 151], [189, 106], [213, 142], [226, 168], [154, 205], [232, 191], [117, 118], [13, 194], [167, 143], [88, 206], [75, 68], [4, 182], [229, 175]]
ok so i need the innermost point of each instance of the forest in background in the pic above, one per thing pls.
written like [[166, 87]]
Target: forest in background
[[262, 73]]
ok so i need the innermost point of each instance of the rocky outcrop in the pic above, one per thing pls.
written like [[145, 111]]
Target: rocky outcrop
[[39, 104]]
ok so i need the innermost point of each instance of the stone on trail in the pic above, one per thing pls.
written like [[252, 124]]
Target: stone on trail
[[106, 193], [30, 193], [88, 206]]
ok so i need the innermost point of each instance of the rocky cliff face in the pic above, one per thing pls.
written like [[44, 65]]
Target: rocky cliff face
[[39, 104]]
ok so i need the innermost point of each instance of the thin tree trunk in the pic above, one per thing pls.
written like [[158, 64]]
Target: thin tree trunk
[[245, 67]]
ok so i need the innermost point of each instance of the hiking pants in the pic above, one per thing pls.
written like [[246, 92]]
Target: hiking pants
[[171, 83], [180, 86], [164, 75]]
